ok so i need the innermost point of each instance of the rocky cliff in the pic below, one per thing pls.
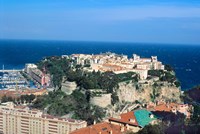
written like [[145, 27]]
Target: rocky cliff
[[144, 92]]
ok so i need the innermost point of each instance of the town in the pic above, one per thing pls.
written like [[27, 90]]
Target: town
[[119, 63], [137, 109]]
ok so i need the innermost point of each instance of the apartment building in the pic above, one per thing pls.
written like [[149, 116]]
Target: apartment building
[[130, 121], [22, 120], [101, 128], [37, 75]]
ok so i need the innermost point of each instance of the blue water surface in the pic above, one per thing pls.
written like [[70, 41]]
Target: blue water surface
[[185, 59]]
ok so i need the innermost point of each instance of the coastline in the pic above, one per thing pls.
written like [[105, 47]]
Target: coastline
[[33, 51]]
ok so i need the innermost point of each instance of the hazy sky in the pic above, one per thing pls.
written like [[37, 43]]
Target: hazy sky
[[165, 21]]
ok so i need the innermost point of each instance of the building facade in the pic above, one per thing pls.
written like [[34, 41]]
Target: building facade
[[37, 75], [22, 120]]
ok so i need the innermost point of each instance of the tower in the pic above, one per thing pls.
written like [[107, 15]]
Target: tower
[[136, 57], [154, 58]]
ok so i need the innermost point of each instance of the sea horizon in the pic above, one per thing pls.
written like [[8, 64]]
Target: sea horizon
[[99, 41], [185, 59]]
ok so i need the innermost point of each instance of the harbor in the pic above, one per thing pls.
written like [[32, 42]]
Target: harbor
[[13, 79]]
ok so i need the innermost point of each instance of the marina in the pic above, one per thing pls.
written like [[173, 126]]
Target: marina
[[13, 79]]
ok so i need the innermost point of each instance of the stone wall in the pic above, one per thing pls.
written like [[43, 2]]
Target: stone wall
[[68, 87], [102, 101]]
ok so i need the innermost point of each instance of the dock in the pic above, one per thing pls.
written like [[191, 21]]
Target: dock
[[11, 70]]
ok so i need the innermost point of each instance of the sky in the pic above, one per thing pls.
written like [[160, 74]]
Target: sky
[[153, 21]]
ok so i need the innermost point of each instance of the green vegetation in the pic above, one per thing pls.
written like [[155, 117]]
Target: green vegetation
[[169, 68], [192, 97], [168, 76], [154, 94], [195, 119], [57, 67], [157, 73], [6, 99], [77, 104], [152, 129], [115, 98], [61, 67], [58, 103], [22, 99]]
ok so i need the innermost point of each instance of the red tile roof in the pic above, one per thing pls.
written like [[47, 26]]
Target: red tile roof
[[16, 94], [165, 107], [126, 118], [100, 128]]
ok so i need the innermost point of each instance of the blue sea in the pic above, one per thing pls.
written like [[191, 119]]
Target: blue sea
[[185, 59]]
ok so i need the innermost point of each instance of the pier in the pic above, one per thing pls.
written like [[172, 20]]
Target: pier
[[11, 70]]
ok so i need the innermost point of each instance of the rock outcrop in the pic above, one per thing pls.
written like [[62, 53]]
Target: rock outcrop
[[131, 92]]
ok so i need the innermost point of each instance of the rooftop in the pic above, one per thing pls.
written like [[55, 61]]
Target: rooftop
[[135, 118], [100, 128], [144, 117], [127, 118]]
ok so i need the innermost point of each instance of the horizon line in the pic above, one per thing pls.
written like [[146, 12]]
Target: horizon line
[[100, 41]]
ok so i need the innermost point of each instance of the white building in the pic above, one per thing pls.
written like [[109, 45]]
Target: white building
[[28, 68]]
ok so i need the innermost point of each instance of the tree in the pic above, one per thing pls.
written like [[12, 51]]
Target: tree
[[177, 83], [196, 115], [168, 68], [152, 129], [108, 81], [4, 99], [157, 73], [115, 98], [154, 94]]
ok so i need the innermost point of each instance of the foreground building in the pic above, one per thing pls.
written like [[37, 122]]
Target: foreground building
[[22, 120], [134, 120], [101, 128], [130, 121]]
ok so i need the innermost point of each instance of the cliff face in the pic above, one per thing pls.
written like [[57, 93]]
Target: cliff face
[[130, 92]]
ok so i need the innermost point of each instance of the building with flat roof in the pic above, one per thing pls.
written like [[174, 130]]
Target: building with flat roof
[[22, 120]]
